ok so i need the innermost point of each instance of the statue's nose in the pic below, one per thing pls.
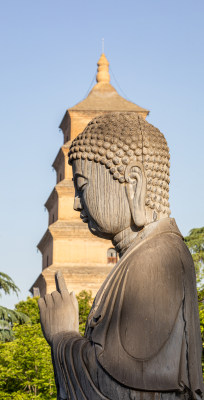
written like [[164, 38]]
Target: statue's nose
[[78, 204]]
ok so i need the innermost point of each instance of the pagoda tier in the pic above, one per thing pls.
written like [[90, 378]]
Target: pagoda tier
[[67, 245], [83, 269], [60, 245]]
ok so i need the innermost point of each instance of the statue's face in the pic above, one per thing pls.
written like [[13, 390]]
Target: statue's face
[[101, 200]]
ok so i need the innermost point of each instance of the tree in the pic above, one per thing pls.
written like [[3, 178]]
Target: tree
[[85, 301], [30, 308], [7, 284], [9, 317], [195, 243], [7, 320], [25, 363]]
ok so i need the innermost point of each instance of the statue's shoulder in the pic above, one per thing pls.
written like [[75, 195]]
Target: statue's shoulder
[[156, 246]]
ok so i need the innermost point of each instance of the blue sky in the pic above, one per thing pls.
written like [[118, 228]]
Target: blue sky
[[48, 51]]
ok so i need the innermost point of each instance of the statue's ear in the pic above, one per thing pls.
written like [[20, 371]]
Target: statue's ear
[[136, 192]]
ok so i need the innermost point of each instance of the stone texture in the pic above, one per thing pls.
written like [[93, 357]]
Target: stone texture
[[142, 336]]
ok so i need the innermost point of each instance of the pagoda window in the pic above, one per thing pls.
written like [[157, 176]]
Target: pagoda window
[[112, 257], [47, 261]]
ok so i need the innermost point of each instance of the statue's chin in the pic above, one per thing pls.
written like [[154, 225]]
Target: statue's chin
[[97, 231]]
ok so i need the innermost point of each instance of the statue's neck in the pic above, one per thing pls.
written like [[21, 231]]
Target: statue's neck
[[123, 240]]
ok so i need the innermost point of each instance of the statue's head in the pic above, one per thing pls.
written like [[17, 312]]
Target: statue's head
[[121, 173]]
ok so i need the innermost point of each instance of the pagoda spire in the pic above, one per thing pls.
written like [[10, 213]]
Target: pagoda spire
[[103, 75]]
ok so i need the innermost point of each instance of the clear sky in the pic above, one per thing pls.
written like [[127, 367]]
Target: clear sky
[[48, 51]]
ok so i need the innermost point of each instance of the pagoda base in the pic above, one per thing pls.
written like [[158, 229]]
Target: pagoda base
[[77, 278]]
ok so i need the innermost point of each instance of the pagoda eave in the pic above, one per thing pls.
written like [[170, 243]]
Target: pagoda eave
[[61, 153], [45, 240], [62, 188]]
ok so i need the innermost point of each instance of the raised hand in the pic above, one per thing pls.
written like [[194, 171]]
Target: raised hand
[[58, 310]]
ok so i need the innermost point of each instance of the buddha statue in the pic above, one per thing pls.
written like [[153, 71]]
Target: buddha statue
[[142, 339]]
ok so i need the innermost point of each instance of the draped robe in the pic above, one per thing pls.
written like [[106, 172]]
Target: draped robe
[[142, 337]]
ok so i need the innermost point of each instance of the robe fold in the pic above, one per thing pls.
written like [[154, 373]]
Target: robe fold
[[142, 338]]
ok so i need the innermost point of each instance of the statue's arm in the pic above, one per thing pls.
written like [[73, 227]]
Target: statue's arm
[[59, 318]]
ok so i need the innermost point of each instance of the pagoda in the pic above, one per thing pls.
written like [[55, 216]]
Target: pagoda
[[67, 244]]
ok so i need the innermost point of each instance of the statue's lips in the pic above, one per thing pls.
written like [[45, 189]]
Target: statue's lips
[[84, 217]]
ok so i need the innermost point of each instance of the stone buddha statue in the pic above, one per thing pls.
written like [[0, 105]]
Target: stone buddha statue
[[142, 337]]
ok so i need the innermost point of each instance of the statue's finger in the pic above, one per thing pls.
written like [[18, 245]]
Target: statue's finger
[[41, 305], [48, 300], [60, 283], [57, 298], [74, 300]]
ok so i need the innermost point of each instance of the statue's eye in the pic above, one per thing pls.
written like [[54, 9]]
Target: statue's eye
[[81, 183]]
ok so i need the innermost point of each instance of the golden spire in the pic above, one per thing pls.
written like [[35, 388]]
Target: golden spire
[[103, 75]]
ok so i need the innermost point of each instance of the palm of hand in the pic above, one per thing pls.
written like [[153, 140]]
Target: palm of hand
[[58, 311]]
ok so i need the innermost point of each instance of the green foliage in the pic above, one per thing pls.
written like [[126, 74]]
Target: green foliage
[[7, 284], [201, 315], [7, 320], [30, 308], [9, 317], [195, 243], [25, 365], [85, 301]]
